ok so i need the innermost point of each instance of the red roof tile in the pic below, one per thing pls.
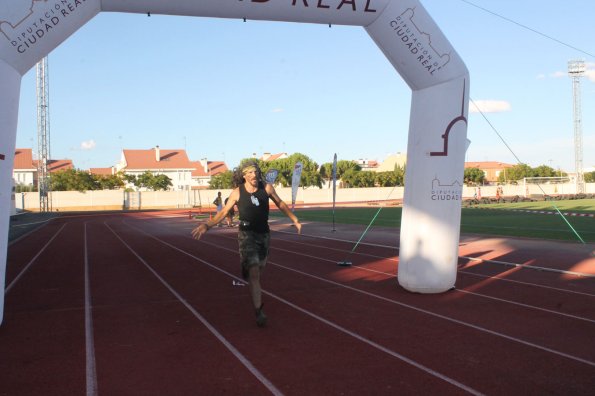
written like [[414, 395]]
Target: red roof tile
[[57, 165], [101, 171], [146, 159], [488, 165], [271, 157], [215, 167], [23, 159]]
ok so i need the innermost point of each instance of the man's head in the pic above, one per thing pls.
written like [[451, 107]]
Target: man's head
[[245, 171]]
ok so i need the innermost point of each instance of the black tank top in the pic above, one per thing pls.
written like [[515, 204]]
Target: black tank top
[[254, 209]]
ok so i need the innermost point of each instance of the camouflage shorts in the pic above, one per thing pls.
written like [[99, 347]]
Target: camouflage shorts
[[254, 249]]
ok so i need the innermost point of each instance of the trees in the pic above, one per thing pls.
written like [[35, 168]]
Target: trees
[[110, 182], [326, 169], [516, 173], [78, 180], [386, 179], [355, 178], [310, 175], [149, 181], [520, 171], [73, 180], [153, 182], [544, 171], [222, 181], [475, 176]]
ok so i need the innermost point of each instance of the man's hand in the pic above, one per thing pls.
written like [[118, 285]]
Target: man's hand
[[298, 225], [198, 232]]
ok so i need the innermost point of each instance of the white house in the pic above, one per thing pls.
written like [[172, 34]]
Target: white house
[[184, 174], [172, 163]]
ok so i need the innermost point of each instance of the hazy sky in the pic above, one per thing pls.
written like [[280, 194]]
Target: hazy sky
[[224, 89]]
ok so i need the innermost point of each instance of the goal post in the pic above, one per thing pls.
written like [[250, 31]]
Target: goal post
[[547, 185]]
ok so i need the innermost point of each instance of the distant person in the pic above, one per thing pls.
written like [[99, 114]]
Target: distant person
[[230, 214], [252, 196], [218, 202]]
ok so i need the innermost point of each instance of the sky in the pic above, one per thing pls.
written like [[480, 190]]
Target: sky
[[226, 89]]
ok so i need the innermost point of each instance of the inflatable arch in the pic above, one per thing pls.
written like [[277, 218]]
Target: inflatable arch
[[409, 38]]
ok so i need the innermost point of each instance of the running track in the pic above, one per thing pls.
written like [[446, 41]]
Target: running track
[[131, 305]]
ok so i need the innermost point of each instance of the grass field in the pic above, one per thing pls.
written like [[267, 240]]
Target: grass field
[[492, 219]]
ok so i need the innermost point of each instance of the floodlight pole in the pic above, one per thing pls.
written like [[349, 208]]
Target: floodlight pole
[[576, 69], [43, 136]]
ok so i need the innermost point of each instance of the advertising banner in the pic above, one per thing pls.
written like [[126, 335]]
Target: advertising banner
[[271, 176], [334, 176], [295, 182]]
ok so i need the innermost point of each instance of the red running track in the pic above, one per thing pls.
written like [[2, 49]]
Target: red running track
[[131, 305]]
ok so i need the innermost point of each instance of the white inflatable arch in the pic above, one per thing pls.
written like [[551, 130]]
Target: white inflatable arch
[[410, 39]]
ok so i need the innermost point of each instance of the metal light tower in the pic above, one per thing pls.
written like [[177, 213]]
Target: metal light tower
[[576, 69], [43, 136]]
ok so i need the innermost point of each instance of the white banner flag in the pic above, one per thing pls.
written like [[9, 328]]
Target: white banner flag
[[295, 182], [334, 175]]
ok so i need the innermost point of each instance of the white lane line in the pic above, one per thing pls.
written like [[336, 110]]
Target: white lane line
[[482, 329], [498, 277], [532, 267], [265, 381], [89, 339], [526, 305], [529, 266], [329, 323], [466, 324], [314, 257], [389, 275], [14, 281], [457, 289], [390, 258]]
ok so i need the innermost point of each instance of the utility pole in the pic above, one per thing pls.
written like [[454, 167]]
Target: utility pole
[[576, 69], [43, 136]]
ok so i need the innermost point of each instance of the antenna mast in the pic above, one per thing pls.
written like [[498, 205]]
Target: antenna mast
[[576, 69], [43, 135]]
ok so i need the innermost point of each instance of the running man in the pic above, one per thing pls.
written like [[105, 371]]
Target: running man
[[252, 198]]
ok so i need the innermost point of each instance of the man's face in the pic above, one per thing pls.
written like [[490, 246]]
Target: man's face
[[250, 177]]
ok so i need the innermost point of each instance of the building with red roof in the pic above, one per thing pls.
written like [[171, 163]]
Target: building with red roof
[[204, 170], [25, 167], [271, 157], [491, 169], [184, 174], [172, 163], [103, 171]]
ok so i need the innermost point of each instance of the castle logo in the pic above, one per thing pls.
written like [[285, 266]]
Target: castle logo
[[418, 42], [446, 192], [25, 23]]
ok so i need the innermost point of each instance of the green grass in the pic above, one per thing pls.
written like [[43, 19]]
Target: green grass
[[493, 219], [577, 206]]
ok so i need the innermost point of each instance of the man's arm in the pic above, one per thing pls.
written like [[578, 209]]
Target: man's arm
[[202, 228], [283, 206]]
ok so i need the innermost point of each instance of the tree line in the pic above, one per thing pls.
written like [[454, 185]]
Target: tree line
[[79, 180], [475, 176], [349, 175]]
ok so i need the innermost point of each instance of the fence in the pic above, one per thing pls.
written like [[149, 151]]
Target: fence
[[143, 200]]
